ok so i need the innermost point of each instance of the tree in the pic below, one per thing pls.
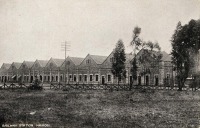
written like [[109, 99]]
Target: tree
[[118, 65], [185, 43], [138, 44], [154, 50], [134, 69]]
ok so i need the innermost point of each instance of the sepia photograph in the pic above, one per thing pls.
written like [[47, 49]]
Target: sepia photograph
[[99, 63]]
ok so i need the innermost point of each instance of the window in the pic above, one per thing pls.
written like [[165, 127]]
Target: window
[[68, 63], [51, 65], [85, 77], [112, 59], [97, 77], [80, 77], [75, 78], [109, 78], [88, 61], [168, 76], [91, 77], [70, 77]]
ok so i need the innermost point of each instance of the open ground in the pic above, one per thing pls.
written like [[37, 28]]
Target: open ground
[[101, 108]]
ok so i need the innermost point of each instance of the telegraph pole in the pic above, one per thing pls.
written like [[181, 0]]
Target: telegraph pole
[[65, 47]]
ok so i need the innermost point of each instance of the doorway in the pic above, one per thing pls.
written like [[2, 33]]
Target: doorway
[[139, 80], [40, 78], [131, 80], [31, 79], [103, 79], [156, 80], [147, 80]]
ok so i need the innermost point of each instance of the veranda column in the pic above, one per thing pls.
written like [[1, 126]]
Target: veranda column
[[50, 76], [7, 78], [29, 77], [43, 77], [17, 76], [58, 76], [99, 80], [33, 74], [88, 77], [22, 77], [77, 79], [112, 78], [127, 78]]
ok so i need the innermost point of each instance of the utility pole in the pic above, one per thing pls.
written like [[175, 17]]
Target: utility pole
[[65, 47]]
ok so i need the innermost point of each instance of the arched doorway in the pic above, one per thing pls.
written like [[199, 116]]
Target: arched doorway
[[31, 79], [156, 80], [40, 78], [103, 79], [5, 78], [147, 80], [52, 78], [56, 78]]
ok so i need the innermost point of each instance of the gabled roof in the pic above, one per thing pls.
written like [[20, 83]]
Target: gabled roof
[[29, 64], [166, 56], [76, 60], [42, 62], [58, 62], [98, 59], [129, 57], [17, 64], [6, 65]]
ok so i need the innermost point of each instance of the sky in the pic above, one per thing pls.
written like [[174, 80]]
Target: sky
[[35, 29]]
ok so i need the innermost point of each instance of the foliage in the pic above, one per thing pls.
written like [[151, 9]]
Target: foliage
[[134, 69], [185, 43], [151, 52], [118, 65], [153, 46], [136, 42]]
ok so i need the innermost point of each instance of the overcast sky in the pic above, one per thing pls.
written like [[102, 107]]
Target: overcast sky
[[35, 29]]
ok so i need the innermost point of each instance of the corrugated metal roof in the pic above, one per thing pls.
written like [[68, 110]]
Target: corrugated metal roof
[[29, 63], [6, 65], [42, 62], [76, 60], [98, 59], [17, 64], [58, 62]]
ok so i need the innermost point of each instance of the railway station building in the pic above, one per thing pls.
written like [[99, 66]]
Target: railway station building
[[93, 69]]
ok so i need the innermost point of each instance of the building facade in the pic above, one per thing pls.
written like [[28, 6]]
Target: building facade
[[93, 69]]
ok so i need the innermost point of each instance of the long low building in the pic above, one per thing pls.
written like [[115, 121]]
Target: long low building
[[93, 69]]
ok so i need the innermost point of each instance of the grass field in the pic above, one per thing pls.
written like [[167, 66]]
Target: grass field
[[117, 109]]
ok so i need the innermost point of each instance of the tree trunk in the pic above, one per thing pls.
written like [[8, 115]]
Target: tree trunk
[[180, 85], [118, 80]]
